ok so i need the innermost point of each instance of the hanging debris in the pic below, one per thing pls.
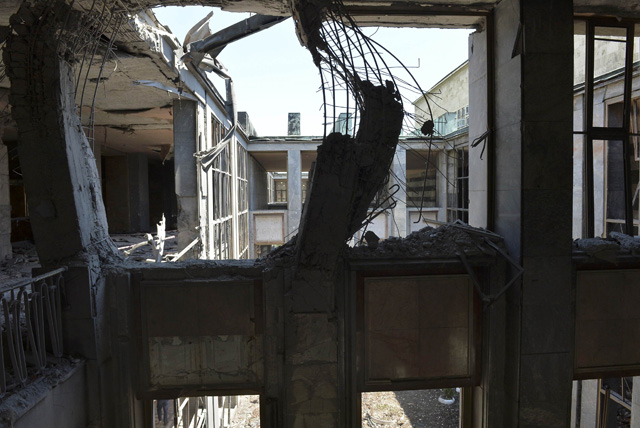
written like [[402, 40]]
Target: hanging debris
[[349, 172]]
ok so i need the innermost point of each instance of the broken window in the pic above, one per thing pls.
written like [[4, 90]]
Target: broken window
[[217, 131], [208, 412], [243, 203], [421, 188], [280, 190], [458, 188], [606, 169], [221, 218], [462, 117], [614, 402], [304, 189]]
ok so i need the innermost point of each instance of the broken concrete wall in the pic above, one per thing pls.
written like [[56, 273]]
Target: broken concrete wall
[[61, 181], [58, 400], [304, 364], [67, 213]]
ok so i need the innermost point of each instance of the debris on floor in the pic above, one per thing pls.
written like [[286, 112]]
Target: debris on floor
[[445, 241], [137, 246], [19, 266]]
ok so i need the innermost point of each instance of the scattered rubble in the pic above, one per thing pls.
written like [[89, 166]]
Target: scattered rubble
[[19, 266], [442, 242], [408, 409], [610, 248], [137, 247]]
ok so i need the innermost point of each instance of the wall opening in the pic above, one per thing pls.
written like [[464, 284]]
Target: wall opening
[[228, 411], [432, 408]]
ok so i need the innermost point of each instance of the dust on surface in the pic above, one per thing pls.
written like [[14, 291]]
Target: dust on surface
[[17, 268]]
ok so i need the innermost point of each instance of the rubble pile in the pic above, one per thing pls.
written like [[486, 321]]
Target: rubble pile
[[609, 248], [442, 242]]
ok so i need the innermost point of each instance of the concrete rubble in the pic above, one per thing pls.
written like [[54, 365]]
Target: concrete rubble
[[442, 242], [608, 249]]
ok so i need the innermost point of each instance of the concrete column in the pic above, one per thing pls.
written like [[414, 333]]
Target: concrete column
[[61, 181], [294, 191], [185, 137], [533, 169], [5, 203], [635, 404], [589, 405], [478, 124], [399, 213], [138, 167]]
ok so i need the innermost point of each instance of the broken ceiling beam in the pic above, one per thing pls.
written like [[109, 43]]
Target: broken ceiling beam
[[215, 43]]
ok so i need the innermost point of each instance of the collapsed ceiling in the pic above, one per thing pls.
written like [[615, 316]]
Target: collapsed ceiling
[[136, 60]]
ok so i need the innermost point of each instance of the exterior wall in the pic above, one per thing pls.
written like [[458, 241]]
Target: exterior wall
[[478, 125], [258, 185], [610, 56], [452, 93]]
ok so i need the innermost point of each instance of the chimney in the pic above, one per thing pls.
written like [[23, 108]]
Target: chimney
[[294, 124]]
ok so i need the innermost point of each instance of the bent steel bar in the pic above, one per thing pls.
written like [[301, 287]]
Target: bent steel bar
[[31, 309]]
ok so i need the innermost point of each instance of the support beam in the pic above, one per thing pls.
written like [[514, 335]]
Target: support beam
[[528, 377], [294, 191], [185, 136]]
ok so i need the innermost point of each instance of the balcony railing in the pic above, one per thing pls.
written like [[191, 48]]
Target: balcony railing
[[31, 320]]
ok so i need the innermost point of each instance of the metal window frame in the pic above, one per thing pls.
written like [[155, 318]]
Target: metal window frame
[[592, 133]]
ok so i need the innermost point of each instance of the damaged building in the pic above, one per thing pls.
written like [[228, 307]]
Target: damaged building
[[537, 330]]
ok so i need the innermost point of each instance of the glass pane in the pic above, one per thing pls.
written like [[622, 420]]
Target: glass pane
[[614, 188], [579, 71], [636, 43], [608, 65], [579, 50], [578, 186]]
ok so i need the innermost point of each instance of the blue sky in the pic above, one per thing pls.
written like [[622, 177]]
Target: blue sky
[[273, 75]]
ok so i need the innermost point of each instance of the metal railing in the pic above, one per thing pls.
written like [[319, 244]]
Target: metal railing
[[30, 309]]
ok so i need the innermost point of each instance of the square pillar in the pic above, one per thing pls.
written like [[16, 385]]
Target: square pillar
[[294, 191], [185, 141], [530, 372]]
